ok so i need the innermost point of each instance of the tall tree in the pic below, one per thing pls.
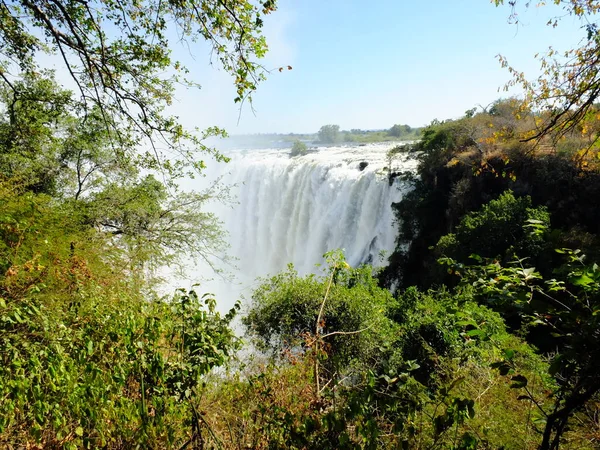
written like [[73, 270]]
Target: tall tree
[[46, 148], [329, 134], [99, 361], [399, 130], [95, 146], [119, 56]]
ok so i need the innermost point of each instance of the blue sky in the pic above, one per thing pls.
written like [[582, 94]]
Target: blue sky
[[372, 64]]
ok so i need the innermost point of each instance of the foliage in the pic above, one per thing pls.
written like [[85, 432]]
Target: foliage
[[47, 148], [460, 207], [329, 134], [371, 136], [399, 130], [118, 54], [298, 149], [433, 381], [466, 163], [567, 90], [89, 360], [345, 308], [31, 149], [564, 311], [499, 229], [155, 228], [91, 357], [355, 136]]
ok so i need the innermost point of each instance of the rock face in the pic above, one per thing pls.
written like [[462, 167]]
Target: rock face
[[363, 165]]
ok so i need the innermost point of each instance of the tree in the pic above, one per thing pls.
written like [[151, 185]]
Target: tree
[[399, 130], [46, 148], [89, 147], [565, 94], [92, 357], [345, 307], [299, 148], [119, 57], [498, 230], [329, 134], [391, 369], [562, 311], [156, 228]]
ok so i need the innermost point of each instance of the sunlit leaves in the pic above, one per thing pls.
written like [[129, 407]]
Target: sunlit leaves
[[565, 310], [569, 86], [118, 54]]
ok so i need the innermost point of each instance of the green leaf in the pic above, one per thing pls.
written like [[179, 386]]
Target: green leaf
[[508, 354], [455, 383], [474, 333], [582, 280], [464, 323], [556, 365], [502, 367], [519, 381]]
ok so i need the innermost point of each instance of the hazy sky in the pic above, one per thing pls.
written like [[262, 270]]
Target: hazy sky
[[370, 64]]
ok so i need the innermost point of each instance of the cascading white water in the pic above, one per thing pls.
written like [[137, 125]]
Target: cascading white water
[[292, 210]]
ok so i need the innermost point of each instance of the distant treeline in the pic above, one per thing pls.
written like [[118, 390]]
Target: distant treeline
[[332, 134]]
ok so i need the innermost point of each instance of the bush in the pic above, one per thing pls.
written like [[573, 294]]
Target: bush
[[89, 359], [285, 310], [432, 384], [298, 149], [499, 229]]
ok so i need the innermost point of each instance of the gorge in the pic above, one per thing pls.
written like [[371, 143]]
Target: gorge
[[293, 210]]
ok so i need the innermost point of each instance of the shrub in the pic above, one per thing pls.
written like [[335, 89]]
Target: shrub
[[351, 308], [298, 149], [498, 229]]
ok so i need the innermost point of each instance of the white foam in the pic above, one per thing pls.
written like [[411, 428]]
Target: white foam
[[293, 210]]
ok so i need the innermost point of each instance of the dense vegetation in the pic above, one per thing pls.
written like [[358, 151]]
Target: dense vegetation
[[331, 134], [327, 135], [90, 356], [516, 224], [482, 332]]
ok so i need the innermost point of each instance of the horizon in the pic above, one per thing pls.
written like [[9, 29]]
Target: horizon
[[405, 65], [393, 63]]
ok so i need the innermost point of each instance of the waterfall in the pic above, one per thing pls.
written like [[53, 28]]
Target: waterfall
[[292, 210]]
